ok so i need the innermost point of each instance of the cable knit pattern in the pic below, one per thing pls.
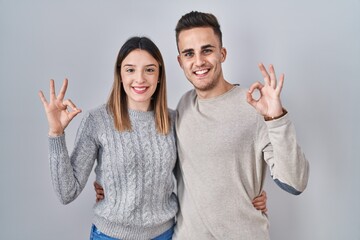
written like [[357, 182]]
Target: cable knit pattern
[[134, 167]]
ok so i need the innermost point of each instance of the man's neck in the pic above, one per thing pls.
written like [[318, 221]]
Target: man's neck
[[220, 89]]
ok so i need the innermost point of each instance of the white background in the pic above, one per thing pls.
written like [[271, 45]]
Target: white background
[[315, 43]]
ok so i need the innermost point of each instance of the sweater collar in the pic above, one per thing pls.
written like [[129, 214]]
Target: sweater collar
[[140, 115]]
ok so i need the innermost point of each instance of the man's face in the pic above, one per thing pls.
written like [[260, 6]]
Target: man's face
[[200, 56]]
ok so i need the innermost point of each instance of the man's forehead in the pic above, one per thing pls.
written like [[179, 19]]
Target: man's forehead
[[197, 38]]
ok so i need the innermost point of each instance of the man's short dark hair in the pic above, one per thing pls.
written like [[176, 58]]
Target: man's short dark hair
[[195, 19]]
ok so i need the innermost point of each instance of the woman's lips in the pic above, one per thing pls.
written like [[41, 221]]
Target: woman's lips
[[139, 90]]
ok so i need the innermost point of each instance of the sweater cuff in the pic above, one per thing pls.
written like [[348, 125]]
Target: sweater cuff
[[278, 122], [276, 117], [57, 144]]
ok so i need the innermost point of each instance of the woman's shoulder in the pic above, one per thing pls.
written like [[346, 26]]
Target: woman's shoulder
[[99, 112]]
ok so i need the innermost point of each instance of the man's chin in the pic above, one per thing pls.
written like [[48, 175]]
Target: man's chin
[[203, 88]]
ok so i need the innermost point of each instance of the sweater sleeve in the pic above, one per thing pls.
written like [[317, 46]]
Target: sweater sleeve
[[288, 165], [70, 174]]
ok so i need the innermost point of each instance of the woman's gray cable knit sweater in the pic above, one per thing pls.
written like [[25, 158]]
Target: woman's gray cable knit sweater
[[134, 167]]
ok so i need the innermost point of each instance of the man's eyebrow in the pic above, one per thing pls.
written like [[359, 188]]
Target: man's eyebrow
[[202, 47], [207, 46], [187, 50]]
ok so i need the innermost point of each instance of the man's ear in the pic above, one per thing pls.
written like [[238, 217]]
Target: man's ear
[[179, 61], [223, 54]]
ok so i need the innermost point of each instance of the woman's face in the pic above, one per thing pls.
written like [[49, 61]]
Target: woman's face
[[140, 75]]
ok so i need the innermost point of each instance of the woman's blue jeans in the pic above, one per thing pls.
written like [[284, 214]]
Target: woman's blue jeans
[[97, 235]]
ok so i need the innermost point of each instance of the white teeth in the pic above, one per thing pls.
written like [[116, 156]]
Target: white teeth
[[139, 88], [201, 71]]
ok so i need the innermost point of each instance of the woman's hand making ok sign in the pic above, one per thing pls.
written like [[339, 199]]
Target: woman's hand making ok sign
[[59, 112]]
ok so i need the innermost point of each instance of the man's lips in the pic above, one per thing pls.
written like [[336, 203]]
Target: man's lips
[[201, 72]]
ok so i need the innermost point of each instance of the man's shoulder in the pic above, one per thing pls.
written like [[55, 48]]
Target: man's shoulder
[[186, 97], [172, 113], [239, 89]]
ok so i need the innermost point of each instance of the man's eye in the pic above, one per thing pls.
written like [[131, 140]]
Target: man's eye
[[189, 54], [207, 51]]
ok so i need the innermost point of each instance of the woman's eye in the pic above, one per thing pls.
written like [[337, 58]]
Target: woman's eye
[[130, 70], [150, 70]]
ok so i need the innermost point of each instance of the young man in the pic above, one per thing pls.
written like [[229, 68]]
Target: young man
[[226, 140]]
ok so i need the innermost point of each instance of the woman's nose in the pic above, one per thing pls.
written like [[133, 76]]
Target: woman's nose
[[140, 77]]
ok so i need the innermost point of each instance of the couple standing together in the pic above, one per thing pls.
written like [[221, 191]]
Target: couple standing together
[[218, 145]]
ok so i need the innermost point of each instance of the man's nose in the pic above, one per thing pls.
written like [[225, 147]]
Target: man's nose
[[199, 60]]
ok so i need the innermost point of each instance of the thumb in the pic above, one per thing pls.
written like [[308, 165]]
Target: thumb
[[74, 113], [250, 99]]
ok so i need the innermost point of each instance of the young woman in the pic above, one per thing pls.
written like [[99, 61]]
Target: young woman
[[132, 140]]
